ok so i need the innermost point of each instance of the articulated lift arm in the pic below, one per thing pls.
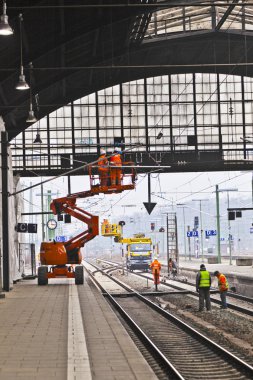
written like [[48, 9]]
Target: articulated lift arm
[[67, 205]]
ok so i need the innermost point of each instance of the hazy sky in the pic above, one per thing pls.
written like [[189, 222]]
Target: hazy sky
[[166, 189]]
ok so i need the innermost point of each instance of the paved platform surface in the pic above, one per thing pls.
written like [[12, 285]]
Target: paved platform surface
[[239, 277], [63, 331], [224, 267]]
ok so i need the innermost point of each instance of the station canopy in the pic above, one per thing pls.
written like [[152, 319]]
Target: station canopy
[[127, 71]]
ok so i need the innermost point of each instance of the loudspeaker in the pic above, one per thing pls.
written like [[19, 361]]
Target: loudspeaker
[[231, 215]]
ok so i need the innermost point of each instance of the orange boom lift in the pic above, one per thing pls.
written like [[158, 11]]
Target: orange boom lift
[[59, 259]]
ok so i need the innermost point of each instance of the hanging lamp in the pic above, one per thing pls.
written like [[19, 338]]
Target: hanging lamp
[[5, 29], [37, 139], [22, 84], [31, 117]]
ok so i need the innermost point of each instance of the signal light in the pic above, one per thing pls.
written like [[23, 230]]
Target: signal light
[[67, 218], [231, 215]]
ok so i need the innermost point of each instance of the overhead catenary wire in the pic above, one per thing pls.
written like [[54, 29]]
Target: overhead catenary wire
[[63, 174]]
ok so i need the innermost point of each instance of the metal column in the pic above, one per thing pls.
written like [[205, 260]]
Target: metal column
[[5, 212]]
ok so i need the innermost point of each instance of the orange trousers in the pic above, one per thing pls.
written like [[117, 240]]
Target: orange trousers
[[116, 176], [156, 277], [103, 176]]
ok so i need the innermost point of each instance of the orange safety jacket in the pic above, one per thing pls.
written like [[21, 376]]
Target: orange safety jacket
[[155, 265], [103, 163], [116, 160], [222, 283]]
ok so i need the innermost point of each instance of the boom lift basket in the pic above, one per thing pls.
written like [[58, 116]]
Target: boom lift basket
[[108, 229]]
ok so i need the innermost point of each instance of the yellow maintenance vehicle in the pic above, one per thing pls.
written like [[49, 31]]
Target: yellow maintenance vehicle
[[139, 247]]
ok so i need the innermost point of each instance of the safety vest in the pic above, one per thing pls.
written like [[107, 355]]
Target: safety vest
[[116, 160], [204, 279], [222, 283], [155, 266], [103, 163]]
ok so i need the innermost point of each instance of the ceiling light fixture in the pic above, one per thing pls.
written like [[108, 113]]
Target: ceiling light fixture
[[37, 139], [5, 29], [22, 84], [31, 117]]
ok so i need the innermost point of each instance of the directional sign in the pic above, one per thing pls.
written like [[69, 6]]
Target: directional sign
[[61, 239], [192, 233], [210, 233], [32, 228], [149, 206], [21, 227], [26, 227]]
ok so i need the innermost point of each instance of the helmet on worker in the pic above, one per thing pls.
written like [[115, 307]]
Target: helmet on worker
[[102, 151], [117, 150]]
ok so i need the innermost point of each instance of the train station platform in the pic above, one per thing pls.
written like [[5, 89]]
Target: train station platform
[[239, 277], [194, 263], [63, 331]]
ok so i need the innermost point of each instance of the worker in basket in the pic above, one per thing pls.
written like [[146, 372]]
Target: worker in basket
[[116, 170], [156, 268], [103, 168]]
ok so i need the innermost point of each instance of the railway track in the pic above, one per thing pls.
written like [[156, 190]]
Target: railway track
[[182, 352], [245, 310]]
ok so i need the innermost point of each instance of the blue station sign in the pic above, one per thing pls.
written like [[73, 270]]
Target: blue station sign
[[60, 239], [192, 233], [210, 233]]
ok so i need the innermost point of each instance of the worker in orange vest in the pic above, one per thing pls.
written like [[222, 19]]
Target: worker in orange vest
[[116, 170], [103, 168], [156, 268], [223, 288]]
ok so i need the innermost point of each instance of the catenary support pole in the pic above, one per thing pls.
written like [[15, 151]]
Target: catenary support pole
[[189, 242], [229, 235], [5, 212], [218, 223], [185, 254], [167, 225]]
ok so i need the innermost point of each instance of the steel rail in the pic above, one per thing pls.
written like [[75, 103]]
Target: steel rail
[[213, 290], [230, 294], [213, 300], [140, 333], [231, 358], [216, 347], [195, 294]]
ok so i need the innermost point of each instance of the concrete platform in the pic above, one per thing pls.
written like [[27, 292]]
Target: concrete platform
[[63, 331], [239, 277]]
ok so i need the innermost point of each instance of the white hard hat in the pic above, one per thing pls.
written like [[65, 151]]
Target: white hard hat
[[117, 149], [102, 151]]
